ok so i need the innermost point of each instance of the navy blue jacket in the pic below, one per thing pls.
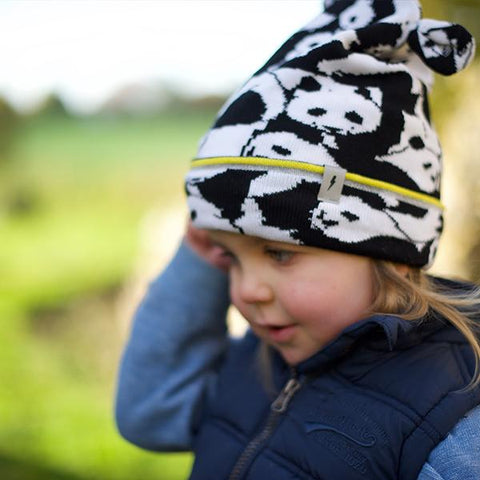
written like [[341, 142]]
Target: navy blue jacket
[[371, 405]]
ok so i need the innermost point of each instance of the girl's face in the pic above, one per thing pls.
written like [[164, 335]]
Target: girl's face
[[295, 298]]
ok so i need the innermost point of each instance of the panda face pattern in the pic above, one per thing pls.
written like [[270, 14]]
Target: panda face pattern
[[354, 220], [286, 145], [358, 15], [304, 46], [424, 153], [321, 109]]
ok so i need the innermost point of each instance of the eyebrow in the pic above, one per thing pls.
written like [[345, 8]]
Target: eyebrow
[[256, 241]]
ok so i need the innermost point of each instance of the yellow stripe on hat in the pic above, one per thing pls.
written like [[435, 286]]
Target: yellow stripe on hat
[[309, 167]]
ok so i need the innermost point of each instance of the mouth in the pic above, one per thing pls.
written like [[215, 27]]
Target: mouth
[[280, 334]]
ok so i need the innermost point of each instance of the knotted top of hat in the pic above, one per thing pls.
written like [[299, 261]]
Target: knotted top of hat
[[342, 102]]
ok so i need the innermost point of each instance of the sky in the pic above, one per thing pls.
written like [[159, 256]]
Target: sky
[[87, 49]]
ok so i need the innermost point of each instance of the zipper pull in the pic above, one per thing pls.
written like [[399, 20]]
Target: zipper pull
[[280, 404]]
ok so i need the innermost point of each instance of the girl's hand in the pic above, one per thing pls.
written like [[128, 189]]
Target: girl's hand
[[199, 241]]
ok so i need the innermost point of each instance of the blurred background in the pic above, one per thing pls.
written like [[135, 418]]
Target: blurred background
[[102, 104]]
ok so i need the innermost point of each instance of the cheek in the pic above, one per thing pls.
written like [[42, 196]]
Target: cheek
[[341, 297], [235, 297], [303, 298], [307, 287]]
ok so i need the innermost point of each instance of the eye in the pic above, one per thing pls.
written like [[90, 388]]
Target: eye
[[279, 255], [227, 255]]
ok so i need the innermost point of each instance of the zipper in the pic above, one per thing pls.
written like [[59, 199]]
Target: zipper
[[277, 408]]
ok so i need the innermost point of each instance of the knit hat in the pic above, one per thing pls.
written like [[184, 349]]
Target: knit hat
[[330, 143]]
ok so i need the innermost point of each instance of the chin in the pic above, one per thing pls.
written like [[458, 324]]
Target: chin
[[292, 358]]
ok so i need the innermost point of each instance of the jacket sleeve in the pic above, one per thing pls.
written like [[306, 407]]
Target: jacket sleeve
[[170, 362], [458, 456]]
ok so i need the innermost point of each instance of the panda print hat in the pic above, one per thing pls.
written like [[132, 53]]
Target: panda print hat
[[330, 143]]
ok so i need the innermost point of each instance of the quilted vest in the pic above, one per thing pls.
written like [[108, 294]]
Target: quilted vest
[[371, 405]]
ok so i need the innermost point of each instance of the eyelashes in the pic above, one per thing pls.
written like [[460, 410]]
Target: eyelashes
[[278, 255], [245, 250], [227, 254]]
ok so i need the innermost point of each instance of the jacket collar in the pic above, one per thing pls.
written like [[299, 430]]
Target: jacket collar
[[378, 332]]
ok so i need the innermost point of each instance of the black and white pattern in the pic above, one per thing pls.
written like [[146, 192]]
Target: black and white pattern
[[346, 91]]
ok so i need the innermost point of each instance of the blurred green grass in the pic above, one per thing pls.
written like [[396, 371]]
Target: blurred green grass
[[72, 195]]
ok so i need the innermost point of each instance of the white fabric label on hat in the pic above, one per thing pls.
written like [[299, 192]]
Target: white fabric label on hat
[[332, 184]]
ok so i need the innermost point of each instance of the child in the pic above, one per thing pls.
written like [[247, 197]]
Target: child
[[317, 189]]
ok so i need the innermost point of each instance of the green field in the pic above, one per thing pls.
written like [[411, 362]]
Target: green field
[[72, 195]]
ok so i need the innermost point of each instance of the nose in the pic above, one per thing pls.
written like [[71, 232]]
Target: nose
[[249, 285]]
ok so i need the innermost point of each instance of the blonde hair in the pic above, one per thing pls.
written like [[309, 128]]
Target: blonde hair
[[415, 295]]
